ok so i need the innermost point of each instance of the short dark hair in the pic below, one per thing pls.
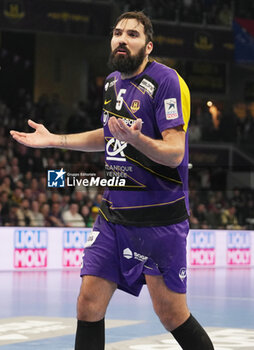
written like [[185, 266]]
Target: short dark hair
[[141, 18]]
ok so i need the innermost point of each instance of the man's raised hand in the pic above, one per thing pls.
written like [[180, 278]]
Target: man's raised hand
[[40, 138], [122, 132]]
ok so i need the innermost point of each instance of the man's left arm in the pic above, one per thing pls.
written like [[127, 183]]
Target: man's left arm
[[169, 151]]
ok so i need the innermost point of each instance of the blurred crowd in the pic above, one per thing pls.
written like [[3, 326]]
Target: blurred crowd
[[220, 209], [233, 124], [25, 199], [211, 12]]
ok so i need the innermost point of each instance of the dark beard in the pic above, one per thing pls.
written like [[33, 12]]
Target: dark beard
[[126, 64]]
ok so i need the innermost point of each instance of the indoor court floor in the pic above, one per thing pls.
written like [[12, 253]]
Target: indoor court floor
[[37, 311]]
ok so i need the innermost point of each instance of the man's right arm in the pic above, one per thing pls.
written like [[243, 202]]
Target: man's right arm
[[89, 141]]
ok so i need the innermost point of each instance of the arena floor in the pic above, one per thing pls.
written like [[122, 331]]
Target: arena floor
[[37, 311]]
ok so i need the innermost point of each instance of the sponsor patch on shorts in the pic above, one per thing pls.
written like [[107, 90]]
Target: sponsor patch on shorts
[[91, 238], [170, 105]]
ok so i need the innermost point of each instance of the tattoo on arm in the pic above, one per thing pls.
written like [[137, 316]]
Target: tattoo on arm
[[63, 141]]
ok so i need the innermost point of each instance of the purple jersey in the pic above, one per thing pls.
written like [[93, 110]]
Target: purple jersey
[[153, 194]]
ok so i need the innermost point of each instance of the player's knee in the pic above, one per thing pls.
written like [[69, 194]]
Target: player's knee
[[89, 308], [170, 315]]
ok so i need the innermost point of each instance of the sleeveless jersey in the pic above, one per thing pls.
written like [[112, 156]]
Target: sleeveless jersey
[[153, 194]]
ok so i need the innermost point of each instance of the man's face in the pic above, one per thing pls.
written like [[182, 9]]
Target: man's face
[[128, 46]]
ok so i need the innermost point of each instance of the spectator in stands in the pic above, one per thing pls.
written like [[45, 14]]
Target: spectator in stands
[[17, 195], [85, 212], [229, 219], [45, 209], [6, 185], [55, 198], [72, 218], [98, 200], [16, 174], [37, 161], [239, 201], [42, 198], [12, 219], [194, 223], [201, 215], [38, 217], [34, 185], [66, 199], [225, 16], [28, 175], [94, 213], [28, 194], [4, 200], [214, 217], [55, 217], [248, 214], [24, 214], [80, 197], [24, 160]]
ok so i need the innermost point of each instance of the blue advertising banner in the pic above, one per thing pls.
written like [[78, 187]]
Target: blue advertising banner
[[244, 40]]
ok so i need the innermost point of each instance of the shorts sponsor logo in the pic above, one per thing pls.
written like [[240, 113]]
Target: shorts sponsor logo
[[238, 248], [171, 108], [202, 248], [74, 242], [30, 248], [56, 178], [128, 254], [147, 86], [182, 273], [91, 238], [135, 106]]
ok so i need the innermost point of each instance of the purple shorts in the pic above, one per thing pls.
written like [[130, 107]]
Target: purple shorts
[[124, 254]]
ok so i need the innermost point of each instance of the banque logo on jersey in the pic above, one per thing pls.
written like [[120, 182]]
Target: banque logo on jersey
[[115, 149]]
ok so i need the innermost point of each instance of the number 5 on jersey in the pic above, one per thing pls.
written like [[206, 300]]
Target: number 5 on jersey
[[119, 100]]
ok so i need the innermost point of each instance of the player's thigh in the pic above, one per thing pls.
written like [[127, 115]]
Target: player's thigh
[[168, 304], [95, 294]]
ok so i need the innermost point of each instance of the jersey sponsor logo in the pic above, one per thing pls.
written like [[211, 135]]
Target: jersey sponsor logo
[[202, 246], [170, 105], [147, 86], [106, 102], [106, 86], [115, 149], [105, 118], [110, 84], [238, 248], [135, 106], [73, 246], [30, 248]]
